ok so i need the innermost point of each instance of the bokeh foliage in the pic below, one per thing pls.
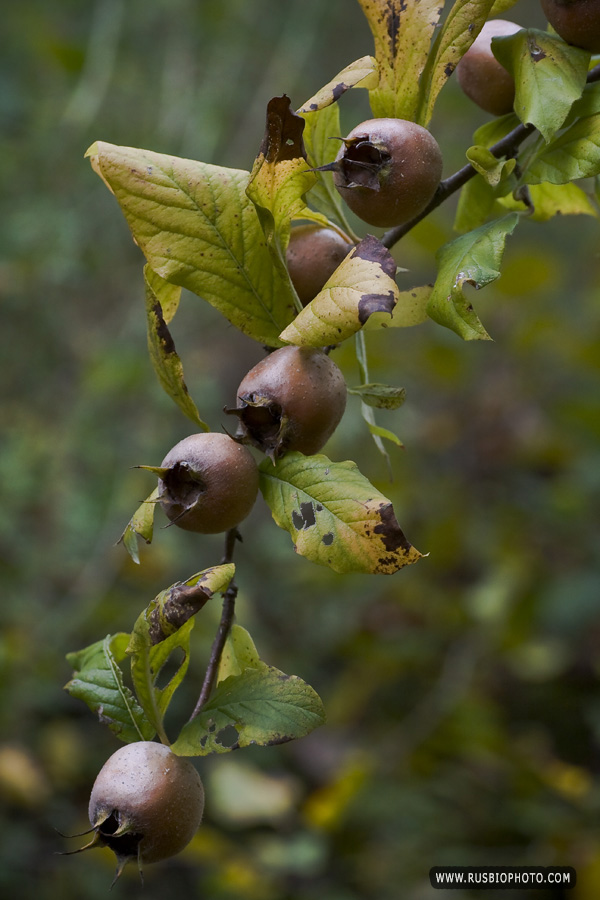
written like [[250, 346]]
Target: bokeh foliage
[[462, 693]]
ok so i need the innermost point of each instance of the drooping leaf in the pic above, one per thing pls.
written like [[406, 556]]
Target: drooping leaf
[[411, 309], [263, 705], [378, 431], [142, 524], [361, 285], [281, 177], [402, 34], [322, 142], [554, 200], [361, 73], [381, 396], [198, 229], [573, 154], [334, 515], [239, 653], [549, 76], [474, 259], [462, 25], [98, 681], [161, 295]]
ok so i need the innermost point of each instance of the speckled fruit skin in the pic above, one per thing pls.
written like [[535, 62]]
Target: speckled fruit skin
[[213, 475], [157, 794], [576, 21], [407, 179], [313, 255], [484, 80], [305, 393]]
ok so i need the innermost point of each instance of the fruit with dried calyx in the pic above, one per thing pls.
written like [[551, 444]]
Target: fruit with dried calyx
[[482, 77], [146, 804], [576, 21], [313, 254], [388, 170], [208, 483], [293, 399]]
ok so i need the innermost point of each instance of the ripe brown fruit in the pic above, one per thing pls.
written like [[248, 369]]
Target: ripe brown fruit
[[146, 803], [576, 21], [313, 255], [291, 400], [388, 170], [483, 79], [211, 483]]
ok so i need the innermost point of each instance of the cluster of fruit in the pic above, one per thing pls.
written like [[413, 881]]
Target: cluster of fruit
[[147, 802]]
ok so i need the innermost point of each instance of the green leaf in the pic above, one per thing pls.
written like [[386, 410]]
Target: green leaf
[[280, 179], [161, 295], [239, 653], [142, 524], [491, 169], [411, 309], [554, 200], [493, 131], [262, 704], [361, 285], [549, 76], [587, 105], [474, 259], [198, 229], [381, 396], [475, 204], [402, 34], [361, 73], [98, 681], [463, 24], [573, 154], [378, 431], [320, 133], [334, 515]]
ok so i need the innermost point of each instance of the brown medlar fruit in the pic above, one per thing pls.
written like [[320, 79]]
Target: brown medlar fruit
[[313, 255], [482, 77], [576, 21]]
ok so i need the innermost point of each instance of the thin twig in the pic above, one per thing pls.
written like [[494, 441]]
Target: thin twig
[[227, 616], [506, 147]]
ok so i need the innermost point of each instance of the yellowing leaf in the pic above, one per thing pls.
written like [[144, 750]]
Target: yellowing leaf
[[362, 284], [361, 73], [334, 515], [492, 169], [402, 32], [142, 524], [198, 229], [410, 309], [553, 200]]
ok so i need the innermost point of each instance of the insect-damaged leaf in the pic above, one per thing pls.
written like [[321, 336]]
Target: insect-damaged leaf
[[198, 229], [280, 178], [361, 73], [334, 515], [142, 524], [98, 681], [263, 705], [473, 258], [402, 34], [162, 299], [361, 285]]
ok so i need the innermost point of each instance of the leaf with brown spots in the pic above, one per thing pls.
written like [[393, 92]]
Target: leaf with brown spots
[[334, 515], [361, 73], [362, 285], [402, 32], [162, 300]]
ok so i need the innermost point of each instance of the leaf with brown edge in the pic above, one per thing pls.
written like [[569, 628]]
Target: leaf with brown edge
[[162, 300], [361, 73], [363, 284], [280, 178], [334, 515], [402, 33]]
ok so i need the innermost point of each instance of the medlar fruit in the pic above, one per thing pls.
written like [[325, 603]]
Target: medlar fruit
[[313, 255], [210, 484], [146, 803], [388, 170], [484, 80], [291, 400], [576, 21]]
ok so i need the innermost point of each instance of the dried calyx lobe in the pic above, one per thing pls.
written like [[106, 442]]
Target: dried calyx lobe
[[291, 400], [363, 163]]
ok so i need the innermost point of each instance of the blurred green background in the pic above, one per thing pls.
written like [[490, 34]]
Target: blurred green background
[[462, 693]]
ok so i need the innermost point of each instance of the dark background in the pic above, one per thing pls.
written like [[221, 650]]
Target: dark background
[[462, 693]]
